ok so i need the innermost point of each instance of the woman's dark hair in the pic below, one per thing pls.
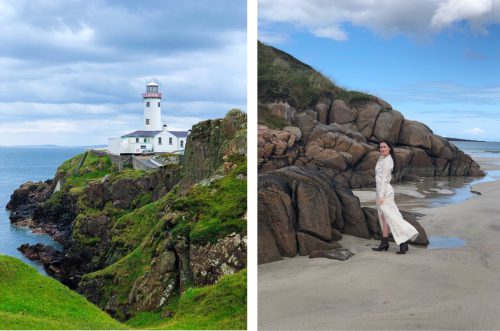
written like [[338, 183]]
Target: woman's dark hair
[[393, 155]]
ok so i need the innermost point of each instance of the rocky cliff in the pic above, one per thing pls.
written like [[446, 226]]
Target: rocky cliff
[[316, 141], [134, 240], [317, 124]]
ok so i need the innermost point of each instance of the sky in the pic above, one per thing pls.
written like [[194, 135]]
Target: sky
[[73, 72], [435, 61]]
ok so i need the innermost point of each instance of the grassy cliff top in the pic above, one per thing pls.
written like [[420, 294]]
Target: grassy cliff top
[[32, 301], [281, 77]]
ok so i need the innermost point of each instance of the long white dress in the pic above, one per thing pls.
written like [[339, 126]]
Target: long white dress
[[401, 230]]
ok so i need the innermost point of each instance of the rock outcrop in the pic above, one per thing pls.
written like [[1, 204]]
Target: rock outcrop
[[212, 143], [302, 210], [344, 147]]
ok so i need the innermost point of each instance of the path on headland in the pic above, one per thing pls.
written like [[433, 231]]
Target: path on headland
[[425, 289]]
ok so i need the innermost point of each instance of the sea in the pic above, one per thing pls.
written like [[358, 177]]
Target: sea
[[17, 166]]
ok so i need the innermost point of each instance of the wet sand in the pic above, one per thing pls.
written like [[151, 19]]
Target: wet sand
[[444, 289]]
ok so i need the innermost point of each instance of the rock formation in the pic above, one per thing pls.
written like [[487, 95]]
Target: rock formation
[[302, 210], [316, 142]]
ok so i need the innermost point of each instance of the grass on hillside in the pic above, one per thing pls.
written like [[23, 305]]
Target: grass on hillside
[[217, 307], [283, 77], [214, 210], [92, 168], [29, 300]]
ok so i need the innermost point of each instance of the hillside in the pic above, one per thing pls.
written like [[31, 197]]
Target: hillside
[[32, 301], [283, 78], [137, 241]]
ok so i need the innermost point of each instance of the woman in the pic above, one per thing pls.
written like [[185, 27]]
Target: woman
[[389, 215]]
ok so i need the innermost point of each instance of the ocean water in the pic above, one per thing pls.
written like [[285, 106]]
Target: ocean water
[[479, 149], [17, 166], [490, 150]]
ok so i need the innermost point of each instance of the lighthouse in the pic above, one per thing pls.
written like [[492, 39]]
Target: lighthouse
[[152, 108], [154, 138]]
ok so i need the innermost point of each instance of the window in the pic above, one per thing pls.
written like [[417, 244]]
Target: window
[[143, 146], [147, 104], [158, 104], [136, 140], [145, 140], [182, 143], [159, 140], [170, 141], [147, 121]]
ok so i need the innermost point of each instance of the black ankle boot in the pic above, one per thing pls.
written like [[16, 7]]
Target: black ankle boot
[[384, 245], [403, 248]]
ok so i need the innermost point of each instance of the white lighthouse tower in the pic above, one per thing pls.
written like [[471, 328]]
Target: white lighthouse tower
[[152, 109]]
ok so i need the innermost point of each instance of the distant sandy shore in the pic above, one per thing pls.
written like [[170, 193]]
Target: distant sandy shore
[[446, 289]]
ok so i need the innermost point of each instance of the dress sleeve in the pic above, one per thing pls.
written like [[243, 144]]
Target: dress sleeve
[[387, 166]]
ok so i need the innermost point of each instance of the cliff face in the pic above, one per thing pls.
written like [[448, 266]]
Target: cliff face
[[135, 240], [316, 141], [214, 142]]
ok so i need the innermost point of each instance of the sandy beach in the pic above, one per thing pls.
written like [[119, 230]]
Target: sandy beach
[[428, 288]]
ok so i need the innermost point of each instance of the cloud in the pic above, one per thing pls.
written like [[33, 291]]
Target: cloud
[[475, 131], [414, 18], [453, 11], [332, 32], [76, 72]]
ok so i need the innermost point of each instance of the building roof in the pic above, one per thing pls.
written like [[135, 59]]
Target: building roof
[[179, 134], [152, 83], [141, 134]]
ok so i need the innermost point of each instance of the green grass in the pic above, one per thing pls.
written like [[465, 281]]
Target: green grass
[[220, 307], [119, 278], [215, 210], [127, 174], [93, 167], [29, 300], [131, 229]]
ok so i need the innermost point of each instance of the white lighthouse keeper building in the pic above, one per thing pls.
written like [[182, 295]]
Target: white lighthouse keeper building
[[154, 138]]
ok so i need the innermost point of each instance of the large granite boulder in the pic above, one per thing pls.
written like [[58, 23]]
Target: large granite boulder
[[341, 114], [387, 126], [367, 116], [415, 134]]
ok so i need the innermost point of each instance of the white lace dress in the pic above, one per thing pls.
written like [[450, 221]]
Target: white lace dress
[[401, 230]]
